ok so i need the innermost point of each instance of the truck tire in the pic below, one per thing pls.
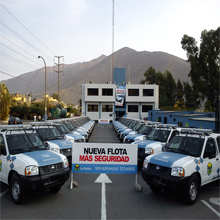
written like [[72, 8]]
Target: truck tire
[[191, 192], [17, 192], [155, 189], [55, 189]]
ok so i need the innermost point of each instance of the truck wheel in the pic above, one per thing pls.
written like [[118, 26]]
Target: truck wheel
[[17, 192], [191, 192], [55, 189], [155, 189]]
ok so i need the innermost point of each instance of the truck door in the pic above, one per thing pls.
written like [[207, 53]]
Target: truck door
[[3, 160], [211, 162]]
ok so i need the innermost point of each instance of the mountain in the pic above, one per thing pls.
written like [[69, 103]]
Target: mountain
[[97, 71]]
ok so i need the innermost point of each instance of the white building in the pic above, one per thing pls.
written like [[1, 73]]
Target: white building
[[111, 101]]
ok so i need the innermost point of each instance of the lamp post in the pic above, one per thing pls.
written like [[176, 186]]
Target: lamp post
[[45, 116]]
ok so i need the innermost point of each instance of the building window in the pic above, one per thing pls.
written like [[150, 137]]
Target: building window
[[107, 108], [148, 92], [180, 124], [107, 92], [165, 120], [92, 108], [132, 108], [93, 91], [159, 119], [146, 108], [133, 92]]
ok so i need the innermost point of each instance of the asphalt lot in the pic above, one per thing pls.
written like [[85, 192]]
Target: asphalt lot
[[122, 200]]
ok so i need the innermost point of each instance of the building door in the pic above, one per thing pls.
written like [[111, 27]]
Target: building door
[[119, 114]]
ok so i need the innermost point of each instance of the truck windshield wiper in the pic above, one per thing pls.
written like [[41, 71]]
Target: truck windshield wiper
[[38, 147], [20, 149], [184, 151], [171, 149], [58, 137]]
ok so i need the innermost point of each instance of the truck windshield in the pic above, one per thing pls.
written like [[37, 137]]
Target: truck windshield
[[63, 129], [146, 130], [186, 145], [159, 135], [138, 127], [50, 133], [20, 143]]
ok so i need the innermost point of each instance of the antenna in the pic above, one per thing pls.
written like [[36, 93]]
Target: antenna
[[129, 72], [112, 66]]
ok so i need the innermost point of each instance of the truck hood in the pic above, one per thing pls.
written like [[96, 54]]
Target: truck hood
[[42, 158], [144, 143], [61, 143], [133, 136], [168, 159], [126, 131], [75, 136]]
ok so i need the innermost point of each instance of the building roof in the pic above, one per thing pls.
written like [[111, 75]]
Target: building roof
[[203, 119]]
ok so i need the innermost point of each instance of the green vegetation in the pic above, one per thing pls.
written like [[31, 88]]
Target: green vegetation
[[5, 102], [204, 73], [205, 66], [26, 110]]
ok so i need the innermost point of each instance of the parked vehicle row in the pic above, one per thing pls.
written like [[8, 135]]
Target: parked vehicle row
[[126, 125], [175, 159], [34, 157]]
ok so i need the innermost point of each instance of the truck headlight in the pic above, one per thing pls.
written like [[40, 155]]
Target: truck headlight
[[31, 171], [56, 150], [178, 171], [65, 163], [149, 150], [145, 164]]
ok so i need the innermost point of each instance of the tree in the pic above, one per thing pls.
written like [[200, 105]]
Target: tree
[[167, 86], [55, 96], [188, 95], [205, 65], [180, 103], [150, 76], [5, 102], [170, 88], [160, 80], [208, 107]]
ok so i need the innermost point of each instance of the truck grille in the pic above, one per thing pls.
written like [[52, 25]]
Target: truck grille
[[159, 169], [66, 151], [51, 168], [128, 141], [141, 150], [79, 140]]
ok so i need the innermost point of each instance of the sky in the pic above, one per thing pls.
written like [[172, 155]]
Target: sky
[[81, 30]]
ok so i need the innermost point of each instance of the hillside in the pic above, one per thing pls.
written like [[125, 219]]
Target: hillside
[[98, 71]]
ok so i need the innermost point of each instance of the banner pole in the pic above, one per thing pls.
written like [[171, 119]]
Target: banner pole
[[71, 178]]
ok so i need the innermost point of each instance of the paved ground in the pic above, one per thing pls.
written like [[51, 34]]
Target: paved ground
[[104, 134], [122, 200]]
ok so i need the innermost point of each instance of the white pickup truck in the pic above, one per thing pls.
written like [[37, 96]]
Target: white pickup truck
[[188, 161], [26, 164]]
